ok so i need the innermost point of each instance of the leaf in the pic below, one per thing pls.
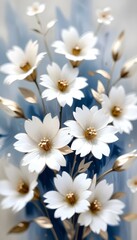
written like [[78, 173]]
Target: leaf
[[117, 238], [28, 95], [11, 108], [103, 73], [100, 87], [36, 30], [66, 150], [96, 95], [51, 23], [43, 222], [118, 195], [69, 229], [129, 217], [104, 235], [91, 73], [87, 231], [83, 166], [20, 227]]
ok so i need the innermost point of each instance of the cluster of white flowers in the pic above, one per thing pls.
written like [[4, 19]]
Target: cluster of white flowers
[[47, 139]]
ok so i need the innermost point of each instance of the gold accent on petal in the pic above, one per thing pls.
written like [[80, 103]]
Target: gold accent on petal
[[71, 198], [76, 51], [116, 111], [45, 144], [90, 133], [26, 67], [62, 85], [95, 206], [22, 187]]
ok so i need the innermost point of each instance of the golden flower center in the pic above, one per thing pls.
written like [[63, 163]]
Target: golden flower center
[[116, 111], [104, 15], [26, 67], [76, 51], [62, 85], [71, 198], [22, 187], [95, 206], [90, 133], [45, 144], [135, 182]]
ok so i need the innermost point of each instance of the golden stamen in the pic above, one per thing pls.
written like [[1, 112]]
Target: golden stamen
[[95, 206], [116, 111], [76, 51], [26, 67], [45, 144], [90, 133], [62, 85], [22, 187], [71, 198], [135, 182]]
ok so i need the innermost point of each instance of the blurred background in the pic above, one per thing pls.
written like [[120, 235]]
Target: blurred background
[[125, 18]]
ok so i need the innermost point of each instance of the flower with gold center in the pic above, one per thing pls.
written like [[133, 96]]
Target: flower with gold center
[[18, 188], [23, 63], [121, 108], [43, 143], [103, 210], [77, 48], [71, 195], [104, 16], [91, 131], [132, 184], [63, 84], [35, 9]]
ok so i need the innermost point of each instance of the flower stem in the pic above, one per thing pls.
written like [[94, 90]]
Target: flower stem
[[98, 29], [44, 38], [43, 105], [60, 115], [46, 212], [104, 174], [73, 166]]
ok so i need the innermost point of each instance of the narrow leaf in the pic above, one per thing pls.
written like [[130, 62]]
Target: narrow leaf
[[28, 95], [20, 227], [130, 217], [96, 95], [43, 222], [100, 87], [104, 235], [118, 195], [103, 73], [66, 150]]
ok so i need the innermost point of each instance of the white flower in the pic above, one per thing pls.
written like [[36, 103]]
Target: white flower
[[77, 48], [91, 131], [102, 211], [104, 16], [63, 84], [23, 63], [70, 197], [43, 143], [132, 184], [18, 188], [36, 8], [121, 108]]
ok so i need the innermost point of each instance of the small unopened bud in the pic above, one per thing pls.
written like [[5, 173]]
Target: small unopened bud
[[117, 49], [129, 68], [124, 162]]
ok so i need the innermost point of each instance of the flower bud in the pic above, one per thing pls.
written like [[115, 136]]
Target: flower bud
[[129, 68], [117, 48]]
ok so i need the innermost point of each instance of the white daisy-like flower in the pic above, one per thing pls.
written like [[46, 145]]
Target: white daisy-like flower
[[103, 210], [132, 184], [35, 9], [63, 84], [23, 63], [121, 108], [91, 132], [70, 197], [75, 47], [18, 188], [104, 16], [43, 143]]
